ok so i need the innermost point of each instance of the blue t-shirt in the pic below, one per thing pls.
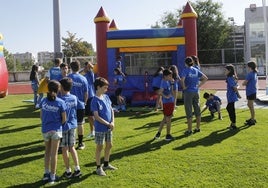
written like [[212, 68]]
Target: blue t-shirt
[[103, 106], [231, 94], [54, 73], [167, 90], [157, 80], [90, 79], [119, 79], [252, 83], [192, 77], [71, 104], [212, 103], [51, 114], [80, 87]]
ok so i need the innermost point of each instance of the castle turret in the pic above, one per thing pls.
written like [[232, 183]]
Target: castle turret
[[189, 18], [102, 26]]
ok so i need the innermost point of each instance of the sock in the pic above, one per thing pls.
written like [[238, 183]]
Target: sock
[[68, 170], [106, 163], [80, 139], [52, 176], [76, 168]]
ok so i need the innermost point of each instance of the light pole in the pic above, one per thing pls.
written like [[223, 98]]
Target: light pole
[[266, 42], [232, 20]]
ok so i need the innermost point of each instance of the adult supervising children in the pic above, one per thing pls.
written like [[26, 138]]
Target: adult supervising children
[[101, 106], [251, 90]]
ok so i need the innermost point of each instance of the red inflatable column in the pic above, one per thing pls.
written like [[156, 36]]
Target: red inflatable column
[[189, 17], [3, 71], [102, 25]]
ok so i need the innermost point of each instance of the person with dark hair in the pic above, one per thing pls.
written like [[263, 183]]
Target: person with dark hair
[[34, 78], [177, 80], [196, 62], [192, 79], [54, 73], [213, 103], [80, 90], [101, 106], [64, 70], [89, 75], [166, 91], [53, 116], [156, 82], [251, 90], [232, 94], [69, 129], [119, 80]]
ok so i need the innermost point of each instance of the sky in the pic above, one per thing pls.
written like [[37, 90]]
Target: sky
[[27, 25]]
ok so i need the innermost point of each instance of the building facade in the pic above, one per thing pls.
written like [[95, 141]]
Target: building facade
[[255, 36], [45, 57]]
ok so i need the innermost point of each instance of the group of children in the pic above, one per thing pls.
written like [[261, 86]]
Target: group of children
[[62, 112], [164, 84]]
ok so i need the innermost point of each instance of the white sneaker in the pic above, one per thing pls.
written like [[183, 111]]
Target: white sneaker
[[100, 172]]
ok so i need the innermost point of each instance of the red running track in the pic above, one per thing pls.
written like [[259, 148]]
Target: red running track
[[25, 87]]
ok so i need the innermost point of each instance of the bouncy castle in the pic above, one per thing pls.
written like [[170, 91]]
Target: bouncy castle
[[143, 51], [3, 71]]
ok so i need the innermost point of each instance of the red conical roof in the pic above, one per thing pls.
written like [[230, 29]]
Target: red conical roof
[[113, 26], [101, 16], [188, 11]]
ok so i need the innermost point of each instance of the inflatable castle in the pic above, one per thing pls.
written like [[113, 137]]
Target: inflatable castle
[[3, 71], [112, 42]]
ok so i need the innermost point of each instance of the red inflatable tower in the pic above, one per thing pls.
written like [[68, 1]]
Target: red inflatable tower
[[102, 26], [3, 71], [189, 17]]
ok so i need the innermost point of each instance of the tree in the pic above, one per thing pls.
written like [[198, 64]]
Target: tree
[[213, 30], [73, 46]]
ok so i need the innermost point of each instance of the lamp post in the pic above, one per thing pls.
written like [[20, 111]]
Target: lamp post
[[266, 42], [232, 20]]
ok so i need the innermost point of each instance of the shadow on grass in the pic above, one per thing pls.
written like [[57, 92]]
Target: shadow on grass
[[213, 138], [7, 129], [25, 111], [148, 146]]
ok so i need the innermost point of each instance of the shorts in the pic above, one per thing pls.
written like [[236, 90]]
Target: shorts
[[168, 109], [80, 116], [88, 112], [52, 135], [118, 91], [68, 138], [252, 97], [156, 88], [101, 137]]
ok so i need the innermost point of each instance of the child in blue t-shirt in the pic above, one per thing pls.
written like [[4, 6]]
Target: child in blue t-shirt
[[213, 104], [69, 129], [232, 94], [101, 106], [251, 90], [53, 116], [166, 91]]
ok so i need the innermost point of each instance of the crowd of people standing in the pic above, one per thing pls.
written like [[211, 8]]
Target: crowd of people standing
[[74, 95]]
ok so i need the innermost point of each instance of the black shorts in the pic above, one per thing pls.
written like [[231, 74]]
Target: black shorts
[[88, 112], [252, 97], [156, 88], [118, 91], [80, 116]]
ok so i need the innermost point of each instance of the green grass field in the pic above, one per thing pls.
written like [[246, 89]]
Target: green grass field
[[215, 157]]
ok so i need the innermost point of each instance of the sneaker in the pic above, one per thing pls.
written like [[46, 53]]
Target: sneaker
[[52, 181], [250, 122], [188, 133], [169, 137], [67, 174], [91, 135], [109, 167], [232, 127], [77, 173], [196, 130], [46, 176], [157, 136], [220, 117], [100, 172], [81, 146]]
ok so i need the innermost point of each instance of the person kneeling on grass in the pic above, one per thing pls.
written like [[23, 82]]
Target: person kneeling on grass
[[101, 106], [213, 103]]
